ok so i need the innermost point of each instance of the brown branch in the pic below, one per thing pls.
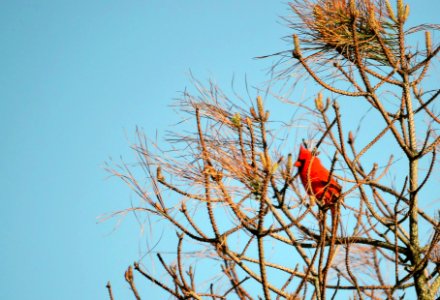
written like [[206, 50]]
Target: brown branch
[[156, 282], [425, 61], [347, 267], [110, 292], [297, 55], [206, 166], [129, 278]]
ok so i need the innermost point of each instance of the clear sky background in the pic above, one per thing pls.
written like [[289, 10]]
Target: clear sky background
[[76, 78]]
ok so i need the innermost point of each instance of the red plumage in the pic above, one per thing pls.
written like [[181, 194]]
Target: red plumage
[[316, 179]]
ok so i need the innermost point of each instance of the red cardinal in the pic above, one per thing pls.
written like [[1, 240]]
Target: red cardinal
[[316, 179], [318, 182]]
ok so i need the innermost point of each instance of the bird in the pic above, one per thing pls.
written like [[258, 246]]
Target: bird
[[320, 184], [317, 180]]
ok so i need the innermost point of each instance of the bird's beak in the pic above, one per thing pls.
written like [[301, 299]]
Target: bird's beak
[[297, 164]]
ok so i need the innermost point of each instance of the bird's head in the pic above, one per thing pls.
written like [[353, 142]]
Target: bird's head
[[303, 157]]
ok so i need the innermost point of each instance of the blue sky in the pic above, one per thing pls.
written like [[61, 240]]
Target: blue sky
[[76, 78]]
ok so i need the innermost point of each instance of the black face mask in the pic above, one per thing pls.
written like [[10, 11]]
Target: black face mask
[[302, 163]]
